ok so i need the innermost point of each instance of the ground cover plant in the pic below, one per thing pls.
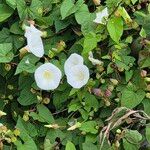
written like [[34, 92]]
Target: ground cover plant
[[74, 74]]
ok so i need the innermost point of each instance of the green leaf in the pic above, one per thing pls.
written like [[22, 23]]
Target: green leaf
[[68, 7], [115, 28], [133, 136], [11, 3], [148, 132], [129, 146], [27, 64], [5, 12], [146, 103], [43, 115], [89, 146], [28, 142], [131, 98], [134, 1], [65, 7], [89, 127], [47, 145], [90, 42], [6, 52], [22, 9], [27, 97], [90, 102], [70, 146]]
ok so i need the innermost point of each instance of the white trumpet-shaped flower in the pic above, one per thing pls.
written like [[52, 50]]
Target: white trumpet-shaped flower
[[93, 60], [101, 15], [34, 41], [78, 76], [73, 60], [47, 76]]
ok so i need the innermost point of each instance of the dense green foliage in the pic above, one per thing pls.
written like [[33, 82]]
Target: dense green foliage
[[111, 112]]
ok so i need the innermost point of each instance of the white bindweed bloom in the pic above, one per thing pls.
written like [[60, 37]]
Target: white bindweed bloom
[[47, 76], [101, 15], [73, 60], [34, 41], [78, 76], [93, 60]]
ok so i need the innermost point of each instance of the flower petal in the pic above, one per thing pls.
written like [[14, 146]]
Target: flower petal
[[49, 82], [73, 60], [78, 76], [101, 15]]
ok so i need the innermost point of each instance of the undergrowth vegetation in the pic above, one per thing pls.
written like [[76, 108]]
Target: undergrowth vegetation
[[74, 74]]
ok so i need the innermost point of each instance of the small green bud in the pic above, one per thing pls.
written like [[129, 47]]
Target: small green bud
[[107, 103], [25, 117], [102, 81], [7, 67], [44, 34], [147, 79], [10, 87], [118, 131], [117, 100], [83, 133], [111, 88], [147, 95], [16, 132], [10, 97], [46, 100], [13, 139], [114, 81], [39, 98]]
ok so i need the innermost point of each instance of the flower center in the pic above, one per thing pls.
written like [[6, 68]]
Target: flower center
[[80, 76], [48, 75]]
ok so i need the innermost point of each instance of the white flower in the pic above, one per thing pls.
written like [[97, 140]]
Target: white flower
[[34, 41], [78, 76], [47, 76], [72, 61], [101, 15], [93, 60]]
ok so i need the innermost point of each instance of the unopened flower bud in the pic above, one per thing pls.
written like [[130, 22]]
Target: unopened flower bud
[[44, 34], [83, 133], [2, 113], [107, 103], [46, 100], [25, 117], [77, 125], [117, 100], [96, 2], [39, 98], [114, 81], [23, 51], [143, 73], [111, 88], [147, 95], [53, 126], [108, 93], [7, 67], [10, 87], [121, 69], [118, 131], [97, 92], [16, 132], [8, 140], [148, 87], [13, 139], [102, 81], [147, 79], [10, 97]]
